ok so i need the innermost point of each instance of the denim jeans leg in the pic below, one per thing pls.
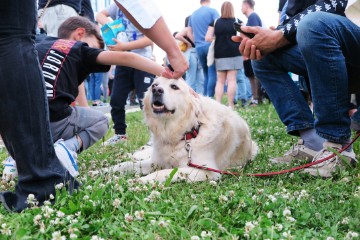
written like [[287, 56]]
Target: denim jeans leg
[[241, 85], [202, 54], [191, 72], [211, 81], [24, 107], [199, 76], [329, 42], [272, 72]]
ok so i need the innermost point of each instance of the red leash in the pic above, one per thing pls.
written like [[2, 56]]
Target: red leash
[[267, 174]]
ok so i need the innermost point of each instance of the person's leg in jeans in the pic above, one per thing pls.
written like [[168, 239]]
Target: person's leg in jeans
[[202, 54], [241, 87], [211, 80], [327, 45], [191, 72], [29, 141], [122, 85], [330, 45], [293, 110]]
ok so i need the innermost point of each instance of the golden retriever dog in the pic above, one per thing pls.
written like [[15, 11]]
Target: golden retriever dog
[[184, 128]]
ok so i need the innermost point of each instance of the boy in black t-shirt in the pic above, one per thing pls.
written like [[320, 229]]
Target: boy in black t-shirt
[[66, 62]]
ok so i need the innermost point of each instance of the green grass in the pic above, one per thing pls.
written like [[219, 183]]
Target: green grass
[[291, 206]]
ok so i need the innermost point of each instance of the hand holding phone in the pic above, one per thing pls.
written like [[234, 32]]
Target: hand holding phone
[[237, 27]]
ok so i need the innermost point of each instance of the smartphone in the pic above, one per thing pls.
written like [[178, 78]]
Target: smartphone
[[237, 27]]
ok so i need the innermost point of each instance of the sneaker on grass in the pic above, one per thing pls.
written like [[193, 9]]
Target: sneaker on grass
[[10, 171], [117, 138], [67, 157], [297, 152], [325, 169]]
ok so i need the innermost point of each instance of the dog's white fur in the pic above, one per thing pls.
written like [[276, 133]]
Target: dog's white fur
[[223, 141]]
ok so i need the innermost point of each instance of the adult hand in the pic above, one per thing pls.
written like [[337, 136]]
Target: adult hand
[[178, 63], [264, 42], [119, 46]]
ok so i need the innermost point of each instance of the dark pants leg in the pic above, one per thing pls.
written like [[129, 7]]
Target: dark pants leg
[[24, 122], [126, 79]]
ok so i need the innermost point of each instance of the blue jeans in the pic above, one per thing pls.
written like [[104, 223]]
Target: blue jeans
[[126, 79], [24, 122], [209, 72], [194, 75], [94, 85], [324, 42], [241, 91]]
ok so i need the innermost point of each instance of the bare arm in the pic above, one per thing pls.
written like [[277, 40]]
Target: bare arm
[[161, 35], [103, 17], [127, 46], [81, 97], [130, 60], [209, 34]]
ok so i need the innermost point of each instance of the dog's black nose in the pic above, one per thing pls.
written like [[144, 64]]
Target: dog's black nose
[[157, 91]]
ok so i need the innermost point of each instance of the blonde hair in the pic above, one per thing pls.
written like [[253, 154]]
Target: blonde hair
[[227, 10]]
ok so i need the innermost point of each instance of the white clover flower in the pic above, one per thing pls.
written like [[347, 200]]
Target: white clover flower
[[286, 212], [139, 215], [116, 202], [272, 198], [279, 227], [128, 217], [51, 197], [206, 209], [345, 221], [213, 183], [37, 219], [205, 234], [73, 236], [163, 223], [195, 238], [193, 196], [47, 211], [5, 230], [291, 219], [31, 200], [223, 198], [260, 191], [95, 237], [47, 203], [89, 188], [351, 235], [270, 214], [57, 236], [86, 197], [286, 234], [153, 222], [60, 214], [254, 197], [59, 186], [330, 238], [249, 226], [231, 193]]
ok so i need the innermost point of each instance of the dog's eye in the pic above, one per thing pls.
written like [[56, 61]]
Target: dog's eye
[[154, 85], [173, 86]]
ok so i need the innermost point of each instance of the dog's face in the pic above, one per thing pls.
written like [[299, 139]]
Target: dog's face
[[167, 98]]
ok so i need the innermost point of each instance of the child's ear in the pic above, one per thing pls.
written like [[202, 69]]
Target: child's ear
[[79, 34]]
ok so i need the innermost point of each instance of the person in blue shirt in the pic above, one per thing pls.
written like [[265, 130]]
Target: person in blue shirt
[[198, 26]]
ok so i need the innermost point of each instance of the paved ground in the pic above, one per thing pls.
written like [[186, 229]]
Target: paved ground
[[105, 109]]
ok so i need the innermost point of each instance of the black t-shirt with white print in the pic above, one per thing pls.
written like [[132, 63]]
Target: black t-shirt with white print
[[65, 65]]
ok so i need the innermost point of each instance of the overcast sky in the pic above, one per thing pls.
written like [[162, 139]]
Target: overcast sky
[[175, 12]]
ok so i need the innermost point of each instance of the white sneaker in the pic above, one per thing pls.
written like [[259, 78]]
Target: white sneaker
[[67, 157], [10, 171], [117, 138], [327, 168]]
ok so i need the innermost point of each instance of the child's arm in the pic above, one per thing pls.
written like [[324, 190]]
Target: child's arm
[[81, 97], [130, 60]]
